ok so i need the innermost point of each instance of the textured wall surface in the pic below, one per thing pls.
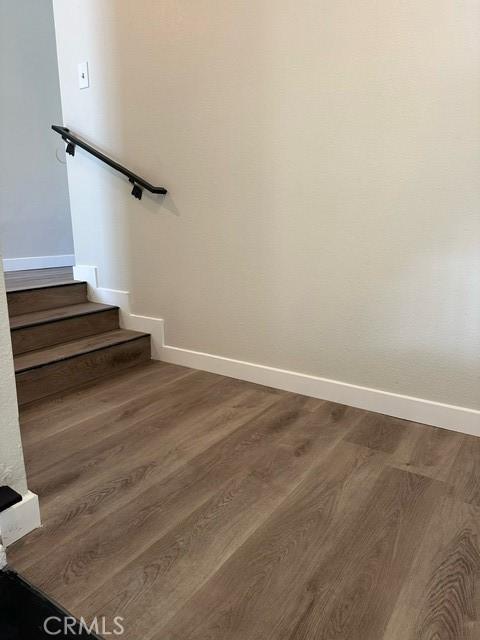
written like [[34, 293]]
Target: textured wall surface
[[34, 205], [12, 470], [323, 163]]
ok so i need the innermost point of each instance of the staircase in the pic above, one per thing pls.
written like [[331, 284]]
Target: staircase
[[61, 340]]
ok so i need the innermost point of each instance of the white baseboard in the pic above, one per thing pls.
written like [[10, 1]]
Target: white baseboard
[[407, 407], [20, 519], [415, 409], [38, 262]]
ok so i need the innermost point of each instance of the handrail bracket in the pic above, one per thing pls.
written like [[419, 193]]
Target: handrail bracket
[[70, 148], [137, 190]]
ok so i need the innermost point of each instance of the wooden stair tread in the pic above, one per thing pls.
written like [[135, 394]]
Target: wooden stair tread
[[32, 277], [42, 357], [60, 339], [58, 313], [13, 288], [47, 296]]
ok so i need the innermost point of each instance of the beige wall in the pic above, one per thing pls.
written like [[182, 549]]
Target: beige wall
[[323, 162], [12, 470]]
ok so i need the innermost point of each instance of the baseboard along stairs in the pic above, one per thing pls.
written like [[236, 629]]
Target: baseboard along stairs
[[61, 340]]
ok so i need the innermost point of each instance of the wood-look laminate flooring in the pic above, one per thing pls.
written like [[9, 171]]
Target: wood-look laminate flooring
[[200, 507]]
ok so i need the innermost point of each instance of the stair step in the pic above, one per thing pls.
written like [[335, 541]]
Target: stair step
[[32, 278], [43, 372], [39, 298], [72, 349], [45, 328]]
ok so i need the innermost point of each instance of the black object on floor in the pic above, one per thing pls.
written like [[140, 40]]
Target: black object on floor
[[8, 497], [28, 614]]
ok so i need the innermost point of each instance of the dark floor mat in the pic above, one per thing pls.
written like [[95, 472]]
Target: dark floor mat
[[28, 614]]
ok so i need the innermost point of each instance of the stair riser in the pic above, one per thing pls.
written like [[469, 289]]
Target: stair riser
[[51, 333], [59, 376], [31, 300]]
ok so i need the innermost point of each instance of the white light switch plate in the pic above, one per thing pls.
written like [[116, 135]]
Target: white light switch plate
[[83, 79]]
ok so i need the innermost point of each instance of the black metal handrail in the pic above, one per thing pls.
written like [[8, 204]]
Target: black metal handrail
[[138, 183]]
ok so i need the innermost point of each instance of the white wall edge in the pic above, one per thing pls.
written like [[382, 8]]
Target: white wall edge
[[437, 414], [20, 519], [38, 262]]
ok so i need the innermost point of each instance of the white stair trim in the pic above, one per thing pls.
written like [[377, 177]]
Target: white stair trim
[[121, 299]]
